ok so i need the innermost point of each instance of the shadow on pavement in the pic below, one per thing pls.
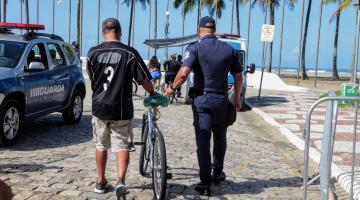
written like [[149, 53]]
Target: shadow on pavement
[[52, 132], [251, 186], [15, 168], [266, 101]]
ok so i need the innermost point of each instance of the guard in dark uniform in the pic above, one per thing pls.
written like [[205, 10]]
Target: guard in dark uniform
[[211, 60]]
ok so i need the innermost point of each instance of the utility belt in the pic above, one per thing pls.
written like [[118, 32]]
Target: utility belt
[[193, 93]]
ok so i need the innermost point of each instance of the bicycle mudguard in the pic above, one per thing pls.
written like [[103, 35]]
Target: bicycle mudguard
[[159, 100]]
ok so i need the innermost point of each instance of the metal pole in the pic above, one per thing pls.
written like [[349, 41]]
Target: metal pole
[[263, 53], [53, 17], [248, 35], [37, 11], [353, 152], [318, 42], [69, 20], [262, 71], [300, 41], [281, 34], [98, 24], [356, 45], [131, 21], [183, 32], [81, 26], [232, 16]]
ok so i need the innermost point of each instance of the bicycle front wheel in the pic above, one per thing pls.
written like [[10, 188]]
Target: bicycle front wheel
[[144, 152], [159, 170]]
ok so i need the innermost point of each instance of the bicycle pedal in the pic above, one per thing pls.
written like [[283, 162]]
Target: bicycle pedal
[[168, 175], [139, 143]]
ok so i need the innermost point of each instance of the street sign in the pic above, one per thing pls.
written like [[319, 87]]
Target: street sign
[[349, 90], [267, 33]]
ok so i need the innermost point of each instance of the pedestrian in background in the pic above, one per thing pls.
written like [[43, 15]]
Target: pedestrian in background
[[112, 66], [211, 60]]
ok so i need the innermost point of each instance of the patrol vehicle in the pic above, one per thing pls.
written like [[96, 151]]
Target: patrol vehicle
[[239, 45], [39, 74]]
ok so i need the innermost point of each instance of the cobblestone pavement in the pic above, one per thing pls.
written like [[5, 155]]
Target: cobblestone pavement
[[52, 160], [289, 109]]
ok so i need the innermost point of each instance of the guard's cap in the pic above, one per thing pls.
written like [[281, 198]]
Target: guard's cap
[[111, 23], [207, 22]]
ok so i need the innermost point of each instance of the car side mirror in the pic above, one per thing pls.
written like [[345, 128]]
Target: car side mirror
[[251, 68], [36, 66]]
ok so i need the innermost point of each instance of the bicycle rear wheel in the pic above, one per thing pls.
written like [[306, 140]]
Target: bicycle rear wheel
[[144, 152], [159, 170]]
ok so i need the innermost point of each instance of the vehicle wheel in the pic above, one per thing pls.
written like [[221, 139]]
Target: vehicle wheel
[[144, 152], [11, 120], [242, 99], [134, 87], [73, 114], [159, 172]]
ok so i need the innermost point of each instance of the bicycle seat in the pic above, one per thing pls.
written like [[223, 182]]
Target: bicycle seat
[[156, 101]]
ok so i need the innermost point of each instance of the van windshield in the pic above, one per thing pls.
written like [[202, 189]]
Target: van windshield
[[10, 53]]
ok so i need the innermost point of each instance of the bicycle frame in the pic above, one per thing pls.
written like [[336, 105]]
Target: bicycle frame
[[151, 125]]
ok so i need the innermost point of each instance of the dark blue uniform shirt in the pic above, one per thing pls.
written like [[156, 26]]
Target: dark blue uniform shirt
[[211, 60]]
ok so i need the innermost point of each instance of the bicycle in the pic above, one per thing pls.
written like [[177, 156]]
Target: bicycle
[[153, 149]]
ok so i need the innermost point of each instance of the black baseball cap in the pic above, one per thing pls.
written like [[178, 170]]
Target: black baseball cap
[[110, 24], [207, 22]]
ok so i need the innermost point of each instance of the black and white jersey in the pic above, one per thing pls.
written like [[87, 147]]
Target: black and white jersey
[[111, 68]]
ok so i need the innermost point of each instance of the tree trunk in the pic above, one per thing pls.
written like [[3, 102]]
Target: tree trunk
[[27, 20], [155, 19], [272, 22], [4, 2], [237, 17], [149, 27], [335, 73], [131, 20], [133, 27], [232, 16], [303, 51], [353, 56], [78, 21], [199, 14]]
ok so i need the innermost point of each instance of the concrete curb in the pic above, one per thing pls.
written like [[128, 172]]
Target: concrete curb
[[343, 178]]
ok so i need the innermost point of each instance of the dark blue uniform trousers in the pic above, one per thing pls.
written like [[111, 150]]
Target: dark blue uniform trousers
[[209, 110]]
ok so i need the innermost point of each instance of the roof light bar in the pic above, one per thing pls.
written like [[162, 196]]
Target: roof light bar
[[22, 26]]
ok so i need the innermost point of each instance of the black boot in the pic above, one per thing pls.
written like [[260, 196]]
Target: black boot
[[218, 178], [203, 189]]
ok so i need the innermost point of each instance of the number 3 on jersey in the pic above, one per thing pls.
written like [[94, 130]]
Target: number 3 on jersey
[[109, 71]]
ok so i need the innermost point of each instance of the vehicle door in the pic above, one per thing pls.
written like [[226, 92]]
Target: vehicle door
[[60, 75], [37, 80]]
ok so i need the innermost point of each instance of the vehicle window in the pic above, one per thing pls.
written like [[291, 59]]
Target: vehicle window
[[57, 58], [241, 54], [37, 54], [10, 53], [70, 54]]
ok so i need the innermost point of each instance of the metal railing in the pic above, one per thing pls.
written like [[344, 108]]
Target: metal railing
[[328, 143]]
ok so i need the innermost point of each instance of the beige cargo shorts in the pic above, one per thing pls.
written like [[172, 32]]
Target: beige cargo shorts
[[114, 134]]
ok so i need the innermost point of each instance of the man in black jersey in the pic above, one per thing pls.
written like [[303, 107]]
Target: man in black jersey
[[112, 66]]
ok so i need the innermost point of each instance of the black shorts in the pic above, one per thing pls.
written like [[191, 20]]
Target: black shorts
[[169, 78]]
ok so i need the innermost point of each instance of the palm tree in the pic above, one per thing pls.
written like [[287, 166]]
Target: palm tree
[[291, 6], [303, 48], [215, 7], [131, 3], [149, 27], [271, 4], [336, 15], [189, 5]]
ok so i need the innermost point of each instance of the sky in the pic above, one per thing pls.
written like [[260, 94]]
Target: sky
[[291, 35]]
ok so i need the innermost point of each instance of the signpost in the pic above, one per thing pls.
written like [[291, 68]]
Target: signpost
[[356, 4], [267, 36]]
